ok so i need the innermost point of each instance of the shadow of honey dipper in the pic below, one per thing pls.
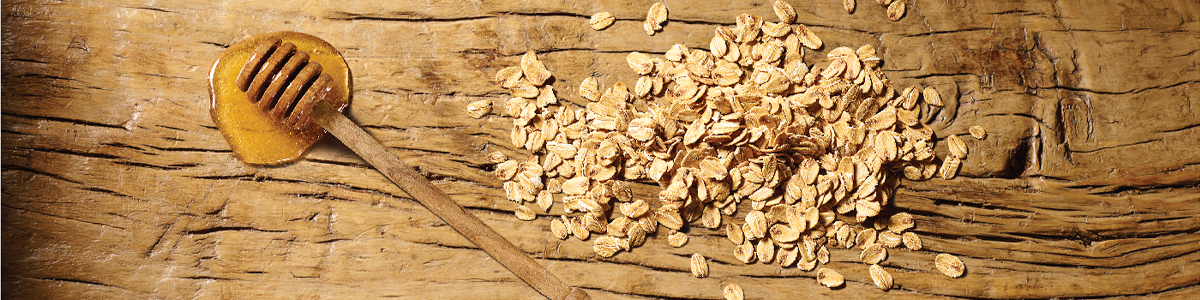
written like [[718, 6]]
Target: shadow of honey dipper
[[281, 81]]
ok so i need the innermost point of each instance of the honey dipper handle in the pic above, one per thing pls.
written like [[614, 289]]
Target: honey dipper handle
[[435, 200]]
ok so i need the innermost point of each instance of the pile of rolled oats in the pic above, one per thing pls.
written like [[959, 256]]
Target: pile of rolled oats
[[817, 152]]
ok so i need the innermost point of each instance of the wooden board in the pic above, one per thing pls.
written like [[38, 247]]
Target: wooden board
[[116, 183]]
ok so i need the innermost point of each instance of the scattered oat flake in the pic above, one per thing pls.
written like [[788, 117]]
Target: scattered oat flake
[[787, 257], [525, 90], [590, 89], [602, 20], [480, 108], [644, 86], [559, 229], [640, 63], [635, 209], [636, 235], [873, 254], [823, 255], [535, 71], [578, 229], [978, 133], [900, 222], [734, 233], [849, 6], [949, 265], [546, 96], [782, 233], [766, 250], [865, 237], [699, 266], [656, 16], [889, 239], [506, 170], [881, 277], [911, 241], [733, 292], [829, 278], [545, 200], [950, 167], [677, 239], [785, 12], [744, 252], [524, 213], [807, 265], [931, 95], [508, 77], [718, 46], [756, 225], [895, 11], [957, 147], [606, 246], [497, 157], [669, 219]]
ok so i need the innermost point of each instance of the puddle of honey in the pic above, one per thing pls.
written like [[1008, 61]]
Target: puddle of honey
[[253, 135]]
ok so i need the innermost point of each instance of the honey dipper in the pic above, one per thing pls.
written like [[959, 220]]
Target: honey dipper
[[281, 81]]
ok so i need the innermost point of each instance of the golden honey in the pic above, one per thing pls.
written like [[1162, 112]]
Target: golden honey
[[253, 135]]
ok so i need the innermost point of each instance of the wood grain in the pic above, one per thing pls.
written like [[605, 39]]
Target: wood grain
[[413, 183], [116, 183]]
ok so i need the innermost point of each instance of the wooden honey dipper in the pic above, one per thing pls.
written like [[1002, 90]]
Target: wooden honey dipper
[[282, 81]]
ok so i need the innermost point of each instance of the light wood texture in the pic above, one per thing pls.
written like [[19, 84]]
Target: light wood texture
[[441, 205], [116, 184]]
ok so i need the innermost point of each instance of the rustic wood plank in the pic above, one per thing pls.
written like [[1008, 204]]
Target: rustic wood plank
[[117, 184]]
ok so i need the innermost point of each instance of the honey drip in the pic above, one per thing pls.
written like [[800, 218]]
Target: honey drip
[[253, 135]]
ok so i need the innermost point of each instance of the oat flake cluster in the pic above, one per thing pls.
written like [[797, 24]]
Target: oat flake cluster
[[746, 120]]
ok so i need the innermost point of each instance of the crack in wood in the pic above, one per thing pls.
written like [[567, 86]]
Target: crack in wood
[[62, 217]]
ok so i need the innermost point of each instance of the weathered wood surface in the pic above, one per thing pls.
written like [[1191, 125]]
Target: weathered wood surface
[[116, 184]]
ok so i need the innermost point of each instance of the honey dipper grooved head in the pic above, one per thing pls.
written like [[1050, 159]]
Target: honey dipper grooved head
[[275, 65], [264, 87]]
